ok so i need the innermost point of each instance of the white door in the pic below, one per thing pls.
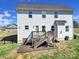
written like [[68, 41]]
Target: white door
[[61, 31]]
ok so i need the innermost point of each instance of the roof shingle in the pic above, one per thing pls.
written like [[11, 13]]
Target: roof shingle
[[43, 7]]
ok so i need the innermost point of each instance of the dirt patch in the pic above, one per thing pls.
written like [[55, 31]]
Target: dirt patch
[[20, 56], [35, 54], [28, 48]]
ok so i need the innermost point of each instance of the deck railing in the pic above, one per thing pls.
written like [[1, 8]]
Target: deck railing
[[40, 37]]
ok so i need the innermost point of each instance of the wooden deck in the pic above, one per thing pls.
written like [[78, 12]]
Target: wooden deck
[[28, 48], [39, 42]]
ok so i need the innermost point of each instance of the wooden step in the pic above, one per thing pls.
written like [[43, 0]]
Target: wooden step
[[47, 36], [39, 42]]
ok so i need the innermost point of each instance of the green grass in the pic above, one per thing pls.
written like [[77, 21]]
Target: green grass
[[1, 32], [8, 50], [5, 51], [76, 30]]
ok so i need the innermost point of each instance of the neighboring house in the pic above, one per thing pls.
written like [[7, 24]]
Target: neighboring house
[[42, 18], [11, 28], [2, 28]]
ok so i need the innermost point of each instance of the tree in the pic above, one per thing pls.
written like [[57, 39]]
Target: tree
[[75, 24]]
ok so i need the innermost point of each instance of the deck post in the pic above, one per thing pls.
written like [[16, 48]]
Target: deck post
[[32, 40]]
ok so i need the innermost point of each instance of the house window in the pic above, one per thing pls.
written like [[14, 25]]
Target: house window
[[52, 28], [43, 14], [67, 28], [55, 15], [30, 14], [26, 27], [37, 28], [43, 28]]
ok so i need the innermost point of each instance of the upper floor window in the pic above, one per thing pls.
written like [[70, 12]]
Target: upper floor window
[[26, 27], [67, 28], [43, 14], [56, 15], [30, 14]]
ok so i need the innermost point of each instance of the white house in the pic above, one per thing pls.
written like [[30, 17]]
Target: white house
[[42, 18]]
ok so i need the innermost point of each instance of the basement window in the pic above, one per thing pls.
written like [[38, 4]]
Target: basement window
[[56, 15], [67, 28], [26, 27]]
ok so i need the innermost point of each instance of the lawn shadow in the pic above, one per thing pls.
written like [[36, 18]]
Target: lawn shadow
[[12, 38]]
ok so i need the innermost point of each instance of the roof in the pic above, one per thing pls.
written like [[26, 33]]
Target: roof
[[63, 21], [11, 26], [60, 22], [43, 7]]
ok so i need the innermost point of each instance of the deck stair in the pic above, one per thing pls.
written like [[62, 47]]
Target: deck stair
[[39, 39]]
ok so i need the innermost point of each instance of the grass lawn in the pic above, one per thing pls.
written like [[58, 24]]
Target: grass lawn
[[1, 32], [76, 30], [8, 51]]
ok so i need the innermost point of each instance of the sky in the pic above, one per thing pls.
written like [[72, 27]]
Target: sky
[[8, 12]]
